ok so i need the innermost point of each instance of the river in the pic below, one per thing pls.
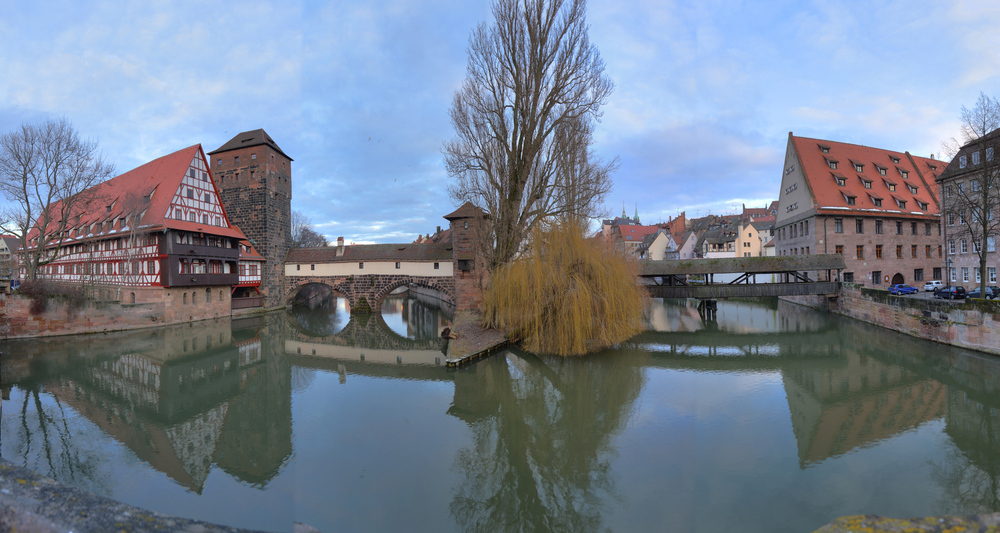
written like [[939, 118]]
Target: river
[[774, 417]]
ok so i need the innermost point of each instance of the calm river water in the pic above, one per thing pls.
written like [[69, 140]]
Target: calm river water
[[772, 418]]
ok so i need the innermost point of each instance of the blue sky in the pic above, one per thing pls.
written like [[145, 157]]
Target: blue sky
[[358, 92]]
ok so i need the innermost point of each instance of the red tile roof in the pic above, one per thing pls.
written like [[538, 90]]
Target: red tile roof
[[635, 233], [832, 198], [467, 210], [248, 253], [130, 192]]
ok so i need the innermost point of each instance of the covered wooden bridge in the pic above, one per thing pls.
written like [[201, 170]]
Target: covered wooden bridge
[[755, 276]]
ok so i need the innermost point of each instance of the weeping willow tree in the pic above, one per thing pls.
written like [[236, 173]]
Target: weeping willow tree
[[566, 295]]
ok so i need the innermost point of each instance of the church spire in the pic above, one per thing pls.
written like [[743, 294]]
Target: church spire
[[623, 210], [637, 212]]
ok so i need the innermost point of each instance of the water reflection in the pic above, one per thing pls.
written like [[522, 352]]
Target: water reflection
[[545, 442]]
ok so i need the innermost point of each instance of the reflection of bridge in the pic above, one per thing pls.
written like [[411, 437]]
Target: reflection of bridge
[[670, 279]]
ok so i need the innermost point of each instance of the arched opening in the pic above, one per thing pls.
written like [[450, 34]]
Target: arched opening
[[897, 279], [319, 309], [132, 298], [420, 312]]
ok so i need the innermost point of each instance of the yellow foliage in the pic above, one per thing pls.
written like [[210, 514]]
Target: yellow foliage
[[568, 295]]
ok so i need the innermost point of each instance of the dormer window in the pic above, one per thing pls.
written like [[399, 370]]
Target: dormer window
[[961, 161], [975, 158], [850, 199], [921, 205], [913, 190], [832, 163], [901, 203], [842, 181], [881, 171], [876, 201], [867, 183], [891, 186], [904, 174], [824, 149], [894, 159]]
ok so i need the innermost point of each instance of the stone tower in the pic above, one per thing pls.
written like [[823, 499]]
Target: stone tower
[[468, 224], [254, 177]]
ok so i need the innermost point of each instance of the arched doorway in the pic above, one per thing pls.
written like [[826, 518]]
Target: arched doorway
[[897, 279]]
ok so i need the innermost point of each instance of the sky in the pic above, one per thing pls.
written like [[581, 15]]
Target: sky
[[358, 92]]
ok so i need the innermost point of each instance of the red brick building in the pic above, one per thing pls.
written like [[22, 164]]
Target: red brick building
[[878, 208]]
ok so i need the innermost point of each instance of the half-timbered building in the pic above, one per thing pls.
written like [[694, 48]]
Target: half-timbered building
[[156, 233]]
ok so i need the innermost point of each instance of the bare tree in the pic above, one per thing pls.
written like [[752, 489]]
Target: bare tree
[[524, 121], [303, 234], [972, 188], [45, 171]]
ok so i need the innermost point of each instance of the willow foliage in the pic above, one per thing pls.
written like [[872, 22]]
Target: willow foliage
[[568, 295]]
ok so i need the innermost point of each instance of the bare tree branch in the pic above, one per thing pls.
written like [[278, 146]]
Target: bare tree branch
[[524, 121]]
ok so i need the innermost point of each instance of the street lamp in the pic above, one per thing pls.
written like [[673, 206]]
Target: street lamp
[[947, 270]]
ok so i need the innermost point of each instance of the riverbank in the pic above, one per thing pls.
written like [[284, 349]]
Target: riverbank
[[472, 341], [32, 502], [852, 524], [971, 324]]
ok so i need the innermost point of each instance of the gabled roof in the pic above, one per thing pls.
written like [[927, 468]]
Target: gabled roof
[[831, 198], [371, 252], [147, 189], [11, 242], [248, 139], [248, 253], [467, 210]]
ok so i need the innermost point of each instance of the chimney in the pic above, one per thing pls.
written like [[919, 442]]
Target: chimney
[[340, 246], [439, 231]]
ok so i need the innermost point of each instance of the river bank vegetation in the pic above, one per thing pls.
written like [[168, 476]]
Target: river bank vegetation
[[566, 295]]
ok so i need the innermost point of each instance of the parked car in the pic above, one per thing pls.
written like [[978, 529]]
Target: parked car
[[902, 289], [991, 293], [950, 293], [934, 285]]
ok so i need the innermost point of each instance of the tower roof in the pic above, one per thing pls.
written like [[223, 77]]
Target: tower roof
[[247, 139], [466, 211]]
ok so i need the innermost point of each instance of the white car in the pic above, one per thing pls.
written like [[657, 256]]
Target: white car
[[932, 286]]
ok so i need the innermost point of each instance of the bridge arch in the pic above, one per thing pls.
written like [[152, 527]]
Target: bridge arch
[[427, 283], [373, 288], [336, 289]]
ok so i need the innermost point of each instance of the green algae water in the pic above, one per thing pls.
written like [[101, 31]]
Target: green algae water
[[773, 417]]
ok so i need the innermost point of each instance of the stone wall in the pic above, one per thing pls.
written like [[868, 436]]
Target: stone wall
[[373, 287], [973, 324], [61, 317]]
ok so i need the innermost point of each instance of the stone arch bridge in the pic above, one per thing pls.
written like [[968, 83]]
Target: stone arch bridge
[[366, 274]]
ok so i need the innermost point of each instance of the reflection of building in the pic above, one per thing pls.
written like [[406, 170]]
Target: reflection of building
[[857, 402], [183, 398]]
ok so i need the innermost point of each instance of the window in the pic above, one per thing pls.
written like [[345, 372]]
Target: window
[[204, 219], [806, 226], [951, 247], [904, 174], [975, 246], [961, 162], [185, 294], [436, 266], [208, 295], [878, 227], [894, 159], [948, 191], [975, 159], [150, 267], [236, 160], [913, 251], [937, 272], [833, 164], [899, 228], [975, 185], [190, 193], [964, 246], [991, 244], [913, 190], [850, 200], [849, 277], [899, 251], [881, 170], [218, 163], [298, 267], [859, 167], [397, 265], [859, 225], [191, 217], [952, 274], [839, 250], [842, 181], [253, 156], [877, 201], [965, 274], [989, 154], [991, 272], [838, 225], [312, 267], [860, 252], [878, 251], [891, 186], [978, 279], [913, 228], [253, 270], [918, 274], [877, 277], [361, 265], [824, 149], [868, 183]]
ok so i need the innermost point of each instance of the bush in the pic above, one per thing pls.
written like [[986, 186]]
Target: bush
[[40, 291], [569, 295]]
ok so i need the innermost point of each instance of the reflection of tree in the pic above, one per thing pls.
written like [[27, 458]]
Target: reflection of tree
[[970, 472], [543, 429], [319, 315], [45, 443]]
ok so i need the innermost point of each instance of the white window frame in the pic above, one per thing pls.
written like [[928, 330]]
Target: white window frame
[[991, 273], [965, 274], [963, 245], [953, 270]]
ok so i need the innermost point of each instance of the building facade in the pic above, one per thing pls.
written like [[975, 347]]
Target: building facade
[[255, 183], [878, 208], [158, 233], [970, 197]]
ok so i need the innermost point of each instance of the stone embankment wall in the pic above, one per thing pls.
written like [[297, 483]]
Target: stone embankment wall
[[972, 324], [62, 317]]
